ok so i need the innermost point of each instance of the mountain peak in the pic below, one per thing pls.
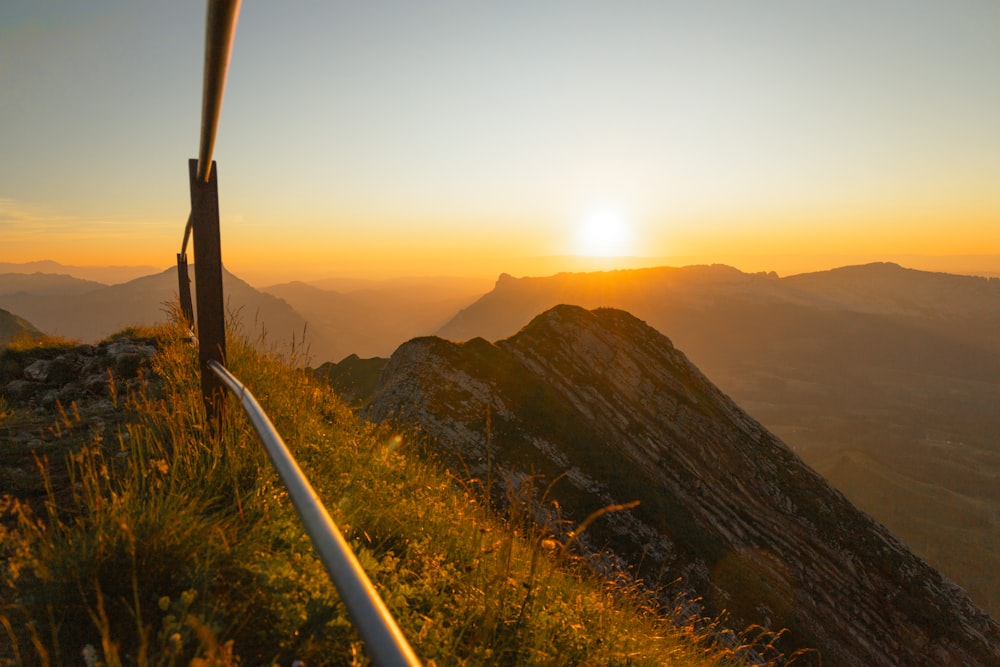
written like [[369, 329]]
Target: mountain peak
[[607, 404], [503, 279]]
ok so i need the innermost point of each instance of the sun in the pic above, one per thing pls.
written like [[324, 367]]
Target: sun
[[603, 233]]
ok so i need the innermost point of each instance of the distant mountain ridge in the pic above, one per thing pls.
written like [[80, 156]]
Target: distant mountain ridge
[[94, 313], [372, 319], [885, 287], [108, 275], [873, 288], [46, 284], [608, 402]]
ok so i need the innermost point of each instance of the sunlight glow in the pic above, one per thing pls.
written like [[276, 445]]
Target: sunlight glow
[[604, 233]]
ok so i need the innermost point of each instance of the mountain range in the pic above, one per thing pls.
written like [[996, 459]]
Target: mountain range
[[884, 379], [104, 275], [88, 311], [601, 409], [367, 318]]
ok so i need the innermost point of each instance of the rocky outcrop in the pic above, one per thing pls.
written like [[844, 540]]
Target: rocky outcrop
[[40, 377], [59, 397], [354, 378], [608, 403]]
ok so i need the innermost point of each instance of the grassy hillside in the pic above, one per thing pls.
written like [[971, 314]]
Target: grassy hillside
[[13, 328], [171, 544]]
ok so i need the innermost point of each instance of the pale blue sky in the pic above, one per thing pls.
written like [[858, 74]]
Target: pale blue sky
[[444, 131]]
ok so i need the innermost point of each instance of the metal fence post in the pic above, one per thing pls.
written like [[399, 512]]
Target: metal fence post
[[208, 279]]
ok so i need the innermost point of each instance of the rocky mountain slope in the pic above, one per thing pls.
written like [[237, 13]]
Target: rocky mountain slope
[[354, 378], [611, 405], [901, 365]]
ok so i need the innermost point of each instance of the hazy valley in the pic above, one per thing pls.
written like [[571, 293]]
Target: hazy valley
[[368, 318]]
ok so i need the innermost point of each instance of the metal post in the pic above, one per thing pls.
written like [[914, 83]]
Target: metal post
[[208, 278], [184, 290]]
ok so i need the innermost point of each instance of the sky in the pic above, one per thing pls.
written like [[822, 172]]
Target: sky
[[382, 139]]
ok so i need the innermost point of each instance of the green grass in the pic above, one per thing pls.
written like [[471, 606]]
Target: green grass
[[176, 545]]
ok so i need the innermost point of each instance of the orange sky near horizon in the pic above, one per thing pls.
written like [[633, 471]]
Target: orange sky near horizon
[[391, 140], [767, 246]]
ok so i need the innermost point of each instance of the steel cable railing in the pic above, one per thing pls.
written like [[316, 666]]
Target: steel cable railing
[[220, 26], [383, 639]]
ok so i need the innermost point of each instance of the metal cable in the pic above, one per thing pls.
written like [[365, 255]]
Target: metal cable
[[220, 26], [187, 233], [385, 642]]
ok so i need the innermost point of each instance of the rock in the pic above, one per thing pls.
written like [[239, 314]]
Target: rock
[[96, 384], [64, 368], [125, 346], [17, 390], [48, 400], [45, 377], [37, 371]]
